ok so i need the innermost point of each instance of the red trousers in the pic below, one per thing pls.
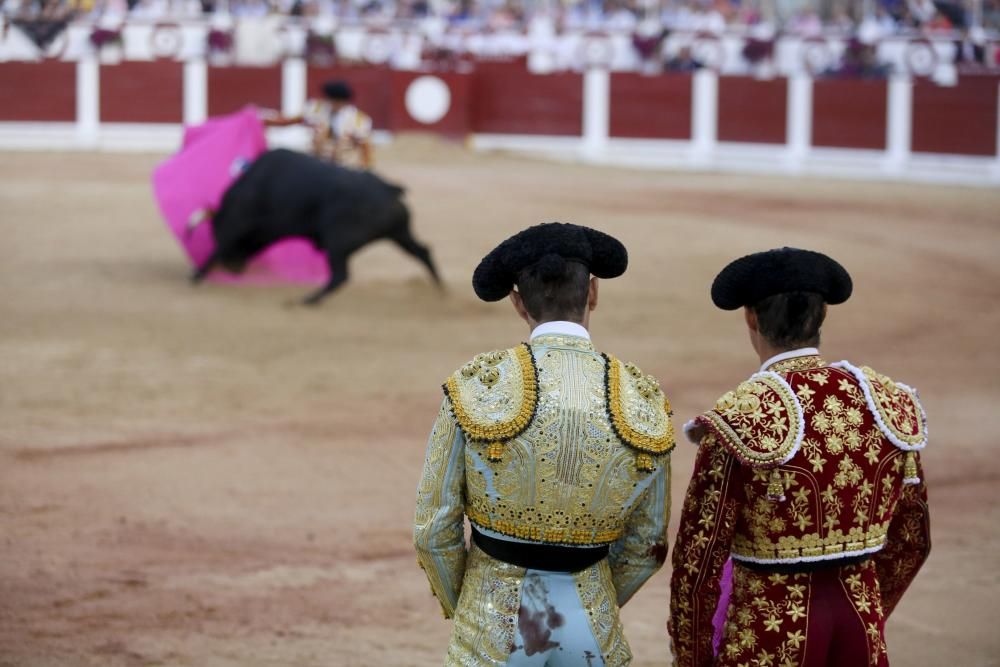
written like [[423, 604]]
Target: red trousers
[[828, 618]]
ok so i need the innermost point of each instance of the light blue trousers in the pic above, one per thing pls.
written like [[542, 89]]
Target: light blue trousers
[[552, 626]]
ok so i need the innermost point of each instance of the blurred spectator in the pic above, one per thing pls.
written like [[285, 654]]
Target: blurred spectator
[[682, 61], [805, 23], [859, 62]]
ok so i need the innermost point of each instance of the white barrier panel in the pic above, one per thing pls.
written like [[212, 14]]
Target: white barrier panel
[[704, 116], [596, 110], [898, 124], [195, 91], [88, 101], [799, 115]]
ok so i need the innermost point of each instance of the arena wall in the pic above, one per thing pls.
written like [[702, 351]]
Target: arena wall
[[902, 127]]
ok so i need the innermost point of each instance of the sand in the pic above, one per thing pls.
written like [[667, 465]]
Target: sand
[[220, 476]]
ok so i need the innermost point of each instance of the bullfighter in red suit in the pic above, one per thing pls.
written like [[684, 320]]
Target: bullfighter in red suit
[[808, 476]]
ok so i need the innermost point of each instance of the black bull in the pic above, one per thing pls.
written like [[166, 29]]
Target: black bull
[[286, 194]]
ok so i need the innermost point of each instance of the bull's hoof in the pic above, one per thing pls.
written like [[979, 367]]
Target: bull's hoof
[[313, 300]]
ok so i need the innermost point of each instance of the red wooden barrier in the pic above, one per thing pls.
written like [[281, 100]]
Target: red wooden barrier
[[371, 85], [142, 92], [958, 119], [39, 92], [650, 107], [849, 113], [751, 110], [232, 88], [507, 98]]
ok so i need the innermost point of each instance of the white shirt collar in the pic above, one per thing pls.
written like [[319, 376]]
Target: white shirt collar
[[791, 354], [560, 328]]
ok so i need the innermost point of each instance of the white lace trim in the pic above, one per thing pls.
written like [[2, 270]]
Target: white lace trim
[[807, 559], [873, 408], [800, 435]]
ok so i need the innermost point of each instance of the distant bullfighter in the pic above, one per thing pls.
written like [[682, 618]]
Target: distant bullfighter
[[284, 194]]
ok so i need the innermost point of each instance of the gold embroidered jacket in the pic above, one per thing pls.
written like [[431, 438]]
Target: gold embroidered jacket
[[549, 442], [803, 462]]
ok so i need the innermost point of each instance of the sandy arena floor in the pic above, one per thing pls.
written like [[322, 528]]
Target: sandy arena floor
[[216, 476]]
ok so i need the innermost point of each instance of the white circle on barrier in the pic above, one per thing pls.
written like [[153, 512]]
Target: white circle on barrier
[[428, 99], [921, 58], [165, 40]]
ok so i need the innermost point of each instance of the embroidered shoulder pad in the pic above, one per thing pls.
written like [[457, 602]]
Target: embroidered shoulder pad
[[494, 396], [760, 422], [638, 410], [895, 407]]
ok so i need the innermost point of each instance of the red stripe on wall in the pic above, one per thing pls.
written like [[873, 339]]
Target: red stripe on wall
[[751, 110], [650, 107], [849, 113], [44, 91], [959, 119], [372, 89], [232, 88], [142, 92], [506, 98]]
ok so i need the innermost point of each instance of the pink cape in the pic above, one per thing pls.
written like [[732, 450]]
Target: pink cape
[[211, 157], [725, 592]]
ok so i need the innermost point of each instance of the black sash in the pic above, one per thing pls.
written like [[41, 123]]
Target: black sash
[[549, 557]]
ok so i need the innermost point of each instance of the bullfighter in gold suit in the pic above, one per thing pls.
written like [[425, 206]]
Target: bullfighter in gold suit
[[559, 457], [808, 475]]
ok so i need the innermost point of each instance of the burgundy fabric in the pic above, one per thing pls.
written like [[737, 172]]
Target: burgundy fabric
[[836, 613], [836, 635]]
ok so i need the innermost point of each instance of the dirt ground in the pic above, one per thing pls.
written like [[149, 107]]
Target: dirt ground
[[216, 476]]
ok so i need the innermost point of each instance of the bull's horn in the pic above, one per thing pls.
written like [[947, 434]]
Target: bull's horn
[[198, 217]]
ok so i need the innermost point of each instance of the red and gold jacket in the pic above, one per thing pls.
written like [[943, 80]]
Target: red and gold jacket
[[802, 462]]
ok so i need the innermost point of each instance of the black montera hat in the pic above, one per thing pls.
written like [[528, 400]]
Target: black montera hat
[[752, 278], [550, 246], [338, 90]]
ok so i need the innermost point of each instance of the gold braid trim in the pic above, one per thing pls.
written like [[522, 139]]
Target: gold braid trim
[[479, 428], [897, 408], [648, 442], [578, 534], [760, 422]]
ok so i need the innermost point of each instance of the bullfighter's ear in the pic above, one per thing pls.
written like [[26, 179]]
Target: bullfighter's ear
[[609, 258]]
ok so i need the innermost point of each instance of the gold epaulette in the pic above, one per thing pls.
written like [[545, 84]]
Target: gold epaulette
[[760, 422], [638, 411], [495, 395], [895, 407]]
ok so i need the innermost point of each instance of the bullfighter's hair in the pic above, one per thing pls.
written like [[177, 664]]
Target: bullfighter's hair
[[547, 246]]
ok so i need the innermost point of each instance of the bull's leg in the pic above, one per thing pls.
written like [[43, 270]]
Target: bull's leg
[[206, 266], [338, 276], [404, 239]]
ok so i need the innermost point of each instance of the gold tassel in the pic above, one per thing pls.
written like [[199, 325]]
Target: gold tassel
[[645, 463], [775, 487], [910, 469], [495, 452]]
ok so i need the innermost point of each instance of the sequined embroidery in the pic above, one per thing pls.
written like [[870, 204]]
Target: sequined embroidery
[[638, 410], [760, 422], [495, 395], [803, 363]]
